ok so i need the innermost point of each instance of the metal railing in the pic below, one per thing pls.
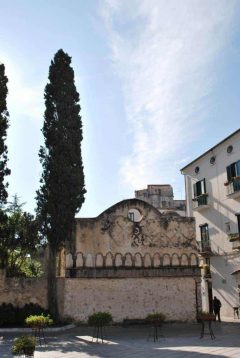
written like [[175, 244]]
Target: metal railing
[[204, 246], [233, 186], [236, 244], [200, 200]]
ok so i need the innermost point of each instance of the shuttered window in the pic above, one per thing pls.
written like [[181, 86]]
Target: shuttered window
[[233, 170], [204, 233], [199, 188]]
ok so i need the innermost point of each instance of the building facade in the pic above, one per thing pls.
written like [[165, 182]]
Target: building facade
[[212, 183], [161, 197]]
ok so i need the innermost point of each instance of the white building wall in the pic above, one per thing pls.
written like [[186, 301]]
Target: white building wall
[[222, 209]]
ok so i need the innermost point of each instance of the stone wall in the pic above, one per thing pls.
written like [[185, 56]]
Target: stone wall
[[20, 291], [131, 297]]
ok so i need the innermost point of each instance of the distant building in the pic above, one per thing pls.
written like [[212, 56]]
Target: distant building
[[161, 197], [212, 183]]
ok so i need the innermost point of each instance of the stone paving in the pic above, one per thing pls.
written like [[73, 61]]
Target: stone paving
[[177, 341]]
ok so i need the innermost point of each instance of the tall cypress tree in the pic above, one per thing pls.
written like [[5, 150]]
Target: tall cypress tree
[[61, 192], [4, 124]]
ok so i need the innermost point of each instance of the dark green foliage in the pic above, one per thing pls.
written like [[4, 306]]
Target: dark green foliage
[[62, 191], [100, 319], [24, 345], [4, 171], [23, 266], [11, 315], [18, 240]]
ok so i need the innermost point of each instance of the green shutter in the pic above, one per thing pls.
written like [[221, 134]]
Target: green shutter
[[194, 190], [229, 176]]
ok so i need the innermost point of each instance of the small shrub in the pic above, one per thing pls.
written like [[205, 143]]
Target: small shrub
[[156, 317], [38, 321], [24, 345], [203, 315], [100, 319]]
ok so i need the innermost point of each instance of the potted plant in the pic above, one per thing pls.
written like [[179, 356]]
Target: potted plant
[[156, 318], [24, 345], [206, 316], [233, 237], [100, 319], [38, 321]]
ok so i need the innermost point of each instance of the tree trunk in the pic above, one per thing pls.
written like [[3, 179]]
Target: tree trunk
[[52, 284]]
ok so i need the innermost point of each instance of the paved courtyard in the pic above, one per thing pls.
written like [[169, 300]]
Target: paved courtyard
[[177, 340]]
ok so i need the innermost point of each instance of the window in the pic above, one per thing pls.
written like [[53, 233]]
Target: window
[[207, 260], [134, 215], [131, 216], [204, 233], [233, 171], [228, 227], [199, 188], [212, 160]]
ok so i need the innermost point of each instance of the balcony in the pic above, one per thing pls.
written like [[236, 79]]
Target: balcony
[[201, 202], [204, 248], [235, 240], [236, 244], [233, 188]]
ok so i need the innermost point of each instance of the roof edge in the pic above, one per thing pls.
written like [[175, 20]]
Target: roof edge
[[211, 149]]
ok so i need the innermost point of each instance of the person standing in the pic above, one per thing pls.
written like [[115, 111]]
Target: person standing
[[216, 307]]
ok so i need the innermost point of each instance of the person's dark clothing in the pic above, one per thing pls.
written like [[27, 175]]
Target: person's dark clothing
[[216, 308]]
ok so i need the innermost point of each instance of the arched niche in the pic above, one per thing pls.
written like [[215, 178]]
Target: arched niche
[[184, 260], [99, 260], [156, 260], [128, 261], [89, 261], [109, 260], [166, 260], [193, 260], [175, 260], [69, 260], [147, 260], [138, 261], [118, 260], [80, 260]]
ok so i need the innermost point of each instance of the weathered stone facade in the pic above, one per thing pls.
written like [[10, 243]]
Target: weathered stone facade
[[133, 265], [161, 197]]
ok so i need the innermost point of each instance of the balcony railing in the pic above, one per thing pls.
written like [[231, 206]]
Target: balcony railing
[[233, 187], [236, 244], [204, 247], [200, 202]]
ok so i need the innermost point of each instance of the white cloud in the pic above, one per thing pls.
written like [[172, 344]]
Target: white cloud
[[163, 52], [24, 99]]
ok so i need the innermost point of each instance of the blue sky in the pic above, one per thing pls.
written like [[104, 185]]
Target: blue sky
[[159, 83]]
